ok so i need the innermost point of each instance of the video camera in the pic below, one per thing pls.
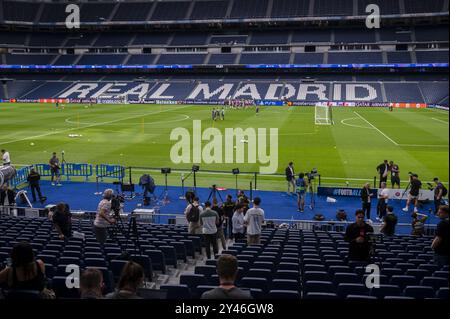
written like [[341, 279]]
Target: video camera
[[117, 203], [312, 174]]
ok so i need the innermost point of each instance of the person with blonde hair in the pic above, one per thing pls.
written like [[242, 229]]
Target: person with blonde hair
[[131, 279]]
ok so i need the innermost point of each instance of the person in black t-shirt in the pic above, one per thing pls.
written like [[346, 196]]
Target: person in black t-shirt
[[383, 170], [395, 174], [228, 208], [390, 221], [33, 179], [220, 233], [357, 234], [366, 194], [439, 192], [440, 242], [414, 191]]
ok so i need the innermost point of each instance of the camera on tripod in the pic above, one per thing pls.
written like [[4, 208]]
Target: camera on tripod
[[312, 174], [117, 203]]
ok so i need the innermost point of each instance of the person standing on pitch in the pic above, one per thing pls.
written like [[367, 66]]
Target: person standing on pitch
[[54, 167], [383, 170], [223, 114], [414, 192], [366, 193], [395, 174], [290, 177]]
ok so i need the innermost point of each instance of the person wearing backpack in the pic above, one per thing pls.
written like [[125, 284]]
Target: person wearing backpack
[[192, 213], [439, 192]]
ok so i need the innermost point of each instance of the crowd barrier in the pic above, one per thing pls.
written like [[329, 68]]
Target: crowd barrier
[[79, 170], [110, 171], [45, 170], [21, 176]]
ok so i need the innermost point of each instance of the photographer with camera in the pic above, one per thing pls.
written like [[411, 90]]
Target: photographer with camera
[[102, 218], [439, 192], [302, 185], [357, 234], [414, 192]]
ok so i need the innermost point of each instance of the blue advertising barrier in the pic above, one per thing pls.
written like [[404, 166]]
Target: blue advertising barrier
[[110, 171], [76, 169], [343, 191], [21, 176], [45, 169]]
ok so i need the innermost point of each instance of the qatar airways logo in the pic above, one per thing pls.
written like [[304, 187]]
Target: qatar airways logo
[[211, 146]]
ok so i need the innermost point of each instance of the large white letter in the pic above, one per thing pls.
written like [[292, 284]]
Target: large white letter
[[373, 19], [248, 90], [351, 92], [224, 91], [212, 152], [83, 89], [318, 90], [161, 90], [183, 146], [73, 19]]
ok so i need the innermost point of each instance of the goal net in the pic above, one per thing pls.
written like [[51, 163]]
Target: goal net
[[323, 115]]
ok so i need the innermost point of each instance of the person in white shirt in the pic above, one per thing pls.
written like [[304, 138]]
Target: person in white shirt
[[254, 218], [383, 198], [238, 223], [6, 159]]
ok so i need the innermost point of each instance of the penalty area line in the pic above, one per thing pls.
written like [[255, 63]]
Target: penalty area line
[[379, 131]]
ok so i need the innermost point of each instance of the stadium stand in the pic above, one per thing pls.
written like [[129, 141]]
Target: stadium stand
[[289, 263]]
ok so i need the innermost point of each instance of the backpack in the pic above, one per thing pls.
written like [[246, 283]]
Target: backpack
[[193, 216], [444, 191]]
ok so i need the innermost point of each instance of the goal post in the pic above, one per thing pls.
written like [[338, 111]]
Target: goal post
[[323, 115]]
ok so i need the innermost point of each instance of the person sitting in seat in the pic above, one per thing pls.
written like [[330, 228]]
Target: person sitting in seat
[[25, 272], [227, 269], [131, 279], [91, 284]]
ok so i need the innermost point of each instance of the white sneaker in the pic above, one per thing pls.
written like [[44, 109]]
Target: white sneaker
[[405, 209], [53, 184], [370, 221], [416, 210], [58, 184], [378, 218]]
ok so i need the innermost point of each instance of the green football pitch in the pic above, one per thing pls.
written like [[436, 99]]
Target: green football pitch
[[139, 136]]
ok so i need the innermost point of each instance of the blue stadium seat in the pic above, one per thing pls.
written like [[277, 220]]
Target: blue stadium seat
[[320, 295], [170, 255], [116, 267], [284, 294], [317, 276], [434, 282], [254, 282], [21, 294], [207, 271], [61, 290], [158, 260], [287, 274], [442, 293], [192, 281], [419, 292], [146, 264], [177, 292], [284, 284], [261, 273], [343, 290], [386, 290], [95, 262], [348, 278], [318, 286], [204, 288], [403, 281]]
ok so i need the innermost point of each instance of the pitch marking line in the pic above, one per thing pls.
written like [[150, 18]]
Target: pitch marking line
[[89, 126], [379, 131], [442, 121], [352, 125]]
